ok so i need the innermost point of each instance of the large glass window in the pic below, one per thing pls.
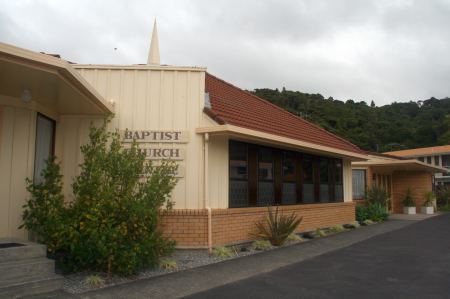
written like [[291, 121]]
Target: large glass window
[[308, 179], [261, 176], [289, 192], [358, 183], [265, 177], [429, 159], [238, 188]]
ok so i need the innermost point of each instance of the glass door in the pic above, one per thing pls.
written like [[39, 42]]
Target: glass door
[[45, 144]]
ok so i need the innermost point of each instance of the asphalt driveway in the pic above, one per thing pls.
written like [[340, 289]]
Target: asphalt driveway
[[411, 262]]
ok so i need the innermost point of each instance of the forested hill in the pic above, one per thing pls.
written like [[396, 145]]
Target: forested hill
[[390, 127]]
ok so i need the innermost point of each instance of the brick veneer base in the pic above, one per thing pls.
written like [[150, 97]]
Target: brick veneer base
[[189, 228]]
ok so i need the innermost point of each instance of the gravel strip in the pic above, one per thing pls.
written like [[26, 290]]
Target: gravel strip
[[185, 259]]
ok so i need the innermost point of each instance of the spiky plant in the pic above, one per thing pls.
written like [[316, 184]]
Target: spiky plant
[[276, 227], [168, 263]]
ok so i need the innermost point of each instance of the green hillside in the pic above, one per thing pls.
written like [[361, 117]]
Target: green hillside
[[390, 127]]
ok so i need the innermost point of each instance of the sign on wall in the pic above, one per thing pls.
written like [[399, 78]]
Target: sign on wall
[[148, 138], [155, 136]]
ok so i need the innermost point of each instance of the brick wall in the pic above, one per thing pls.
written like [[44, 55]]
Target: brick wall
[[419, 182], [189, 228]]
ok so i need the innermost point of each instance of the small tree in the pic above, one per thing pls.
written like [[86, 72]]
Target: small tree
[[44, 211], [112, 224]]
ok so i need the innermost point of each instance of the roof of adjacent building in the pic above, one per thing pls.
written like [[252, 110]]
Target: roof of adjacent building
[[234, 106], [423, 151]]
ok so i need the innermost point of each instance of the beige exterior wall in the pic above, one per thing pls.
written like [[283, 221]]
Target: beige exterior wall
[[16, 163], [17, 149], [160, 98]]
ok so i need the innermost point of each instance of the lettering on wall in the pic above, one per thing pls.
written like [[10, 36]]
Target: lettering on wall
[[148, 140], [155, 136]]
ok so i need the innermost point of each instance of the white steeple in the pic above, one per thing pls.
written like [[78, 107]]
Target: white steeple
[[153, 54]]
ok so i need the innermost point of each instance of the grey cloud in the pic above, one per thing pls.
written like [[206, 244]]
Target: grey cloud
[[382, 50]]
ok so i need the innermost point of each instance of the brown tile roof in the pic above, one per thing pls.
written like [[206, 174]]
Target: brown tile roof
[[423, 151], [234, 106]]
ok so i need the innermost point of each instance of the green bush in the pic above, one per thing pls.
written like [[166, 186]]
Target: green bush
[[430, 199], [408, 200], [276, 228], [112, 223], [337, 229], [443, 196], [377, 195], [261, 245], [44, 213], [168, 263], [320, 233], [375, 212], [362, 213], [222, 252]]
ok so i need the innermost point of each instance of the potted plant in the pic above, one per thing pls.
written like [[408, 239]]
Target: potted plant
[[428, 205], [409, 204]]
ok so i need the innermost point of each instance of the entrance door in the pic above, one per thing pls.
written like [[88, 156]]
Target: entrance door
[[45, 144]]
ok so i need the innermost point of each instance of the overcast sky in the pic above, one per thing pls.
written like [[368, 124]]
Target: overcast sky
[[350, 49]]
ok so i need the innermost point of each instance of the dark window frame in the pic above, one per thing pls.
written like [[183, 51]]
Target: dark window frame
[[278, 177]]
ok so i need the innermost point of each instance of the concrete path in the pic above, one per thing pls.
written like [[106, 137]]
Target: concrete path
[[193, 281], [413, 262]]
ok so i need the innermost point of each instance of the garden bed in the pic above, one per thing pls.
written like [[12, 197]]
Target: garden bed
[[184, 259]]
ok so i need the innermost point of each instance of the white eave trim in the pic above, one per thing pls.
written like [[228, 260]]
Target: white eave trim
[[249, 134]]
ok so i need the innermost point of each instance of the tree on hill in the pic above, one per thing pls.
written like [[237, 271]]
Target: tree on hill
[[390, 127]]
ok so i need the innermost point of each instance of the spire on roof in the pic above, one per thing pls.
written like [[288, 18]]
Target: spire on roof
[[153, 54]]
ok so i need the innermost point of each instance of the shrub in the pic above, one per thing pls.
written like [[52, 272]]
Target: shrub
[[377, 212], [362, 213], [429, 199], [408, 199], [44, 211], [377, 195], [337, 229], [222, 252], [443, 196], [95, 281], [261, 245], [112, 223], [168, 263], [294, 237], [276, 228], [320, 233]]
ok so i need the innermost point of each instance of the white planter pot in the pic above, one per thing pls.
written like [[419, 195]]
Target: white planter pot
[[409, 210], [427, 210]]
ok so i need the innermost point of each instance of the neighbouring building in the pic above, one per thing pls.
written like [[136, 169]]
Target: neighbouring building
[[395, 175], [435, 155], [237, 153]]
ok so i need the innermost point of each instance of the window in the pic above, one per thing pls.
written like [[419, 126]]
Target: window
[[289, 188], [324, 180], [446, 161], [436, 160], [260, 176], [338, 181], [238, 186], [429, 159], [45, 144], [421, 159], [265, 177], [308, 179], [358, 183]]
